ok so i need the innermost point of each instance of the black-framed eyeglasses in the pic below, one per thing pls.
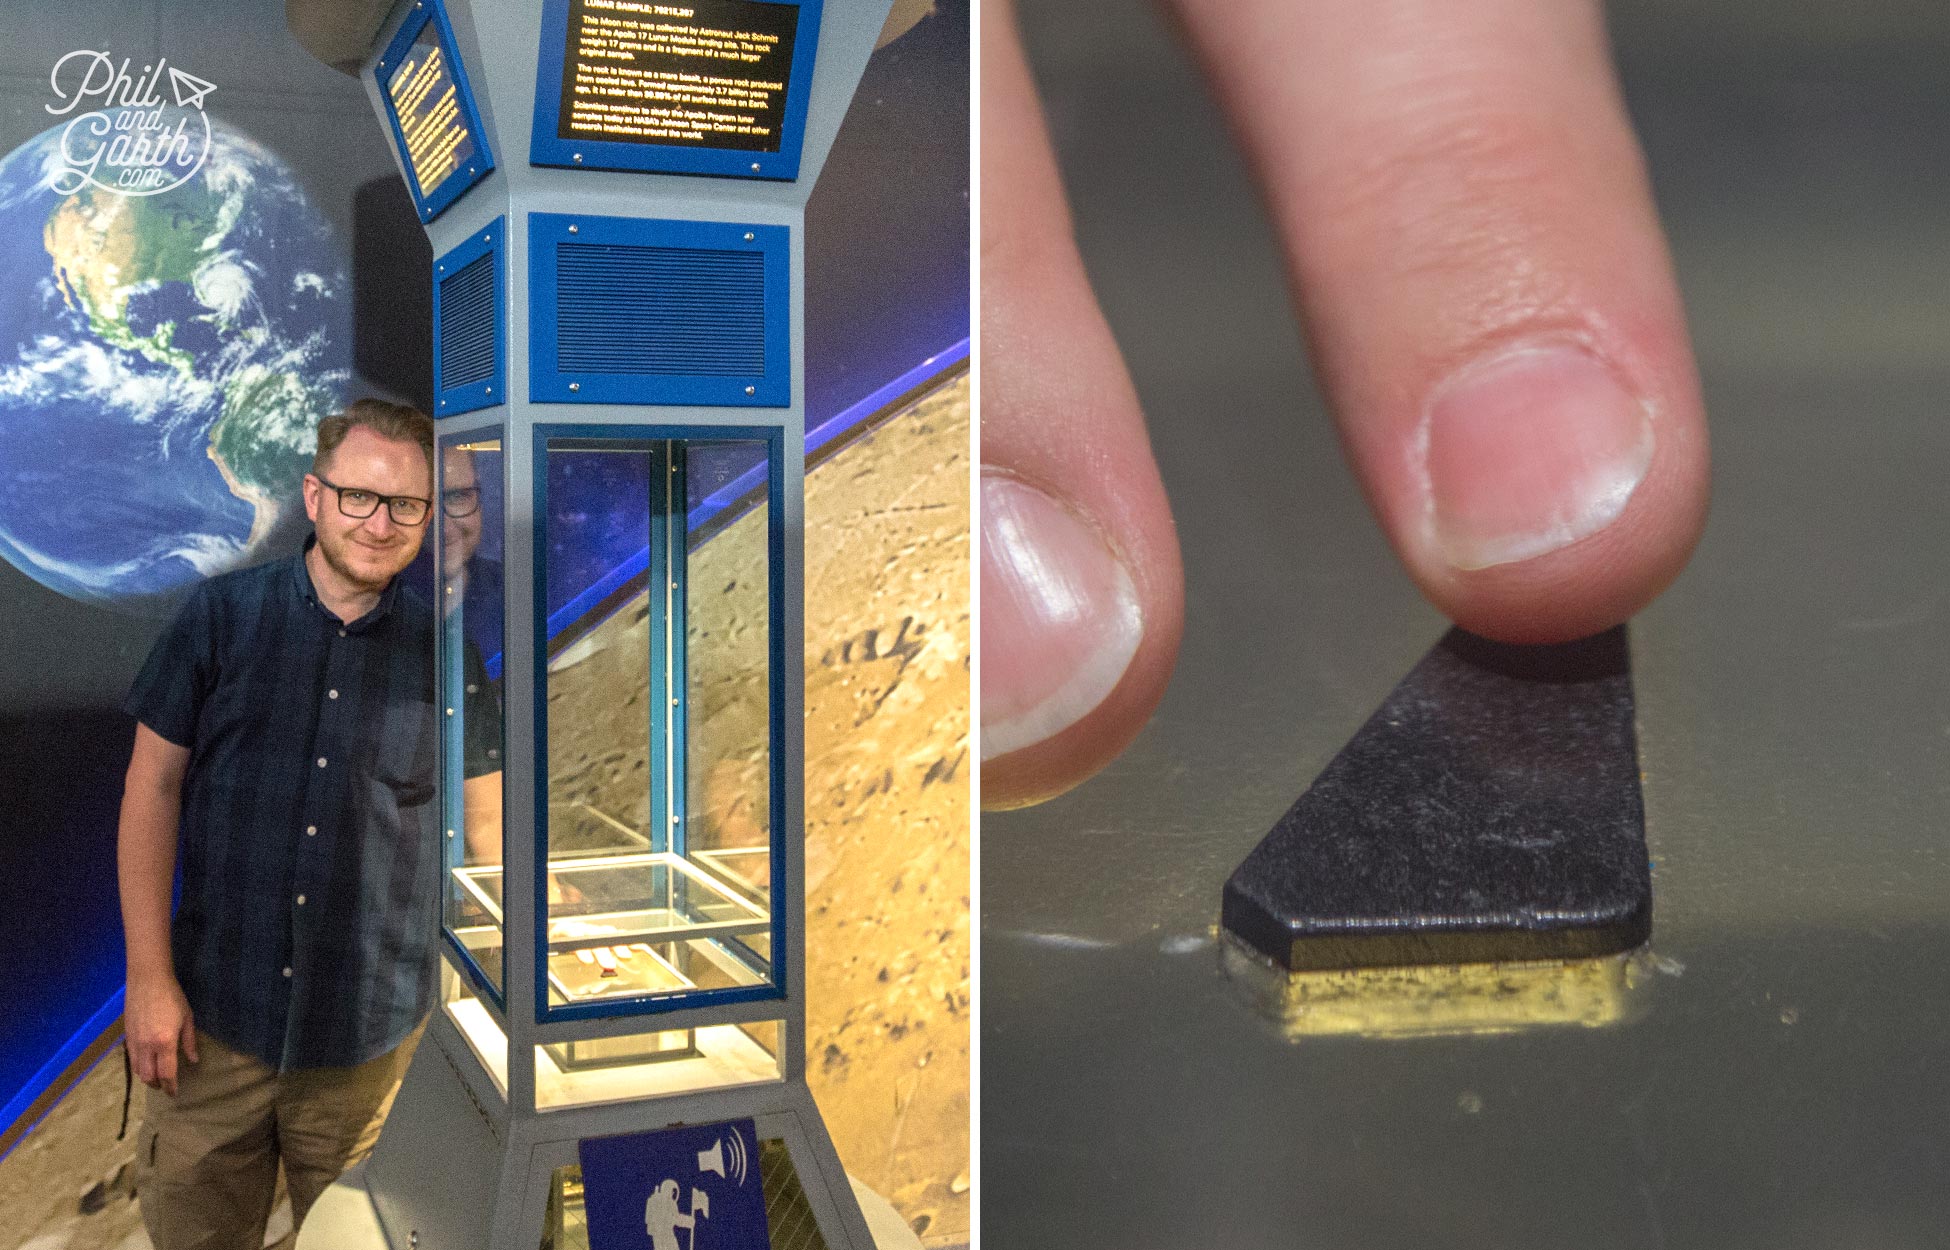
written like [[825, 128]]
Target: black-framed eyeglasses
[[359, 503], [461, 501]]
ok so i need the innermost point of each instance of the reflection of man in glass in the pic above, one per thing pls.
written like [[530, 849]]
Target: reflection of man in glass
[[471, 596]]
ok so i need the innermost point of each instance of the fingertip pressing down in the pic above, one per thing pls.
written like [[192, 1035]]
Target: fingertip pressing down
[[1557, 494], [1472, 241]]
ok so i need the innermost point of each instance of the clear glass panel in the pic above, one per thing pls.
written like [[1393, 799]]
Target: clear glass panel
[[477, 1023], [728, 798], [471, 643], [658, 694], [610, 1052], [655, 1064]]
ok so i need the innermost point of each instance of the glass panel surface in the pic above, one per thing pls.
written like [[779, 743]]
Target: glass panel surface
[[656, 568], [728, 797], [471, 641], [650, 1065], [475, 1018]]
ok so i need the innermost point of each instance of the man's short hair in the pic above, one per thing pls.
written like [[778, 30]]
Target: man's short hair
[[388, 420]]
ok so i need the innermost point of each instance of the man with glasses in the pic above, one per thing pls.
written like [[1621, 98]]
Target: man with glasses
[[286, 745]]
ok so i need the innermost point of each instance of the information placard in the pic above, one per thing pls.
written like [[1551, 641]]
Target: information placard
[[678, 86], [427, 103], [704, 73], [434, 121]]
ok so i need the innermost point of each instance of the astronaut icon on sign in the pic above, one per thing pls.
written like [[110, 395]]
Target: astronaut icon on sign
[[663, 1216]]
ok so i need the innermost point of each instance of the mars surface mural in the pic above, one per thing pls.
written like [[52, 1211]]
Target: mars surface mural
[[164, 361]]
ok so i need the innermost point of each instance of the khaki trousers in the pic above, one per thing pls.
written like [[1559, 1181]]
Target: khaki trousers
[[207, 1160]]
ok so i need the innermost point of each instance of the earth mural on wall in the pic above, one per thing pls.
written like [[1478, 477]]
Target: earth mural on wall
[[164, 361]]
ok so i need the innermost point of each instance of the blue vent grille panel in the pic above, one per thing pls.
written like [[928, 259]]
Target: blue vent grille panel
[[660, 311], [467, 339]]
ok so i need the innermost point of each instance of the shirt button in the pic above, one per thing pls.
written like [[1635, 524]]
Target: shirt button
[[472, 688], [341, 633], [494, 753], [321, 761], [301, 900], [311, 831], [331, 694], [287, 972]]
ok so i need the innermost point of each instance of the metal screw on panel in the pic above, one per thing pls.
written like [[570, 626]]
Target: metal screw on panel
[[751, 390], [443, 403], [749, 236], [572, 229], [575, 386], [490, 390], [441, 268], [754, 166], [577, 158], [673, 703]]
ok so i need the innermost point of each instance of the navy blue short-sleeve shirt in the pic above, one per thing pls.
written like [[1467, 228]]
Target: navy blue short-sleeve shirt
[[309, 839]]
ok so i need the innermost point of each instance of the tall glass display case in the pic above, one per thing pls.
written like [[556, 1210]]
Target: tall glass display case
[[653, 601], [619, 376]]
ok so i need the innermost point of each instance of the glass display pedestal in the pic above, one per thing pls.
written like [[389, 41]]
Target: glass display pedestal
[[619, 381]]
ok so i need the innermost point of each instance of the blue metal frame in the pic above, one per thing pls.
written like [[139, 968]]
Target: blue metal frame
[[663, 837], [623, 436], [676, 569], [494, 389], [452, 749], [547, 384], [431, 204], [547, 147]]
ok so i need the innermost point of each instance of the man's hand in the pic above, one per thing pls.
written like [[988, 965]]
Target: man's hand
[[156, 1020], [156, 1015]]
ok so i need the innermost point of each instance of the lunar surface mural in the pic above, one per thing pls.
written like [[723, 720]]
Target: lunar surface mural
[[887, 808], [164, 361]]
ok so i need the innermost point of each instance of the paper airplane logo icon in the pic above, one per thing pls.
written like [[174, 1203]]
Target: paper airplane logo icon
[[189, 89]]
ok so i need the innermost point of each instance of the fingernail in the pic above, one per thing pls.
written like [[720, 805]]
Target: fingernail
[[1060, 617], [1529, 452]]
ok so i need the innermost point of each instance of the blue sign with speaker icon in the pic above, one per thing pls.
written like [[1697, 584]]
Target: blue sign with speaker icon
[[696, 1187]]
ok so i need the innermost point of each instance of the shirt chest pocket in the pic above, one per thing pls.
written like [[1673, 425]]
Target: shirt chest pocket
[[401, 751]]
